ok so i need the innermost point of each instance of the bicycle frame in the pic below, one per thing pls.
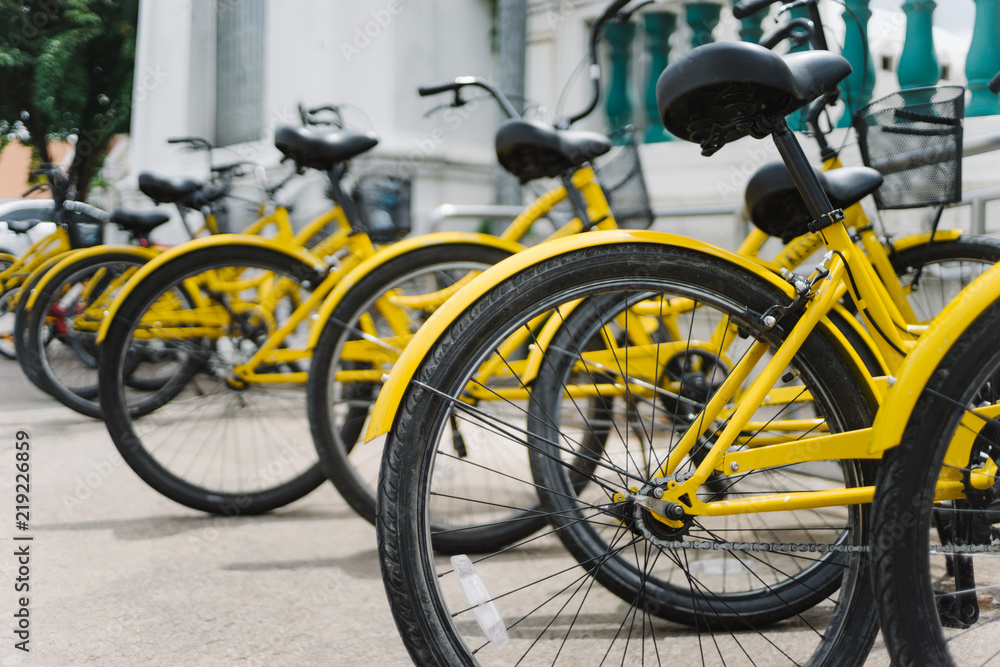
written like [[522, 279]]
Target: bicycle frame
[[897, 336]]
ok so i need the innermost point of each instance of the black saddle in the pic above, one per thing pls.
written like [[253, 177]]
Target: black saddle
[[530, 149], [139, 223], [22, 226], [776, 207], [188, 192], [165, 190], [322, 150], [721, 92]]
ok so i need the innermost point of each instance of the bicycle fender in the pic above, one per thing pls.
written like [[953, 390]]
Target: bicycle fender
[[219, 240], [72, 257], [920, 364], [923, 238], [393, 251], [42, 268], [392, 391]]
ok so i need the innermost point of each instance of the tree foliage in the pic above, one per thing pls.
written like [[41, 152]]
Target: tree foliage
[[66, 69]]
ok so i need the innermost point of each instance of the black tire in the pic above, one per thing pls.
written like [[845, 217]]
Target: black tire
[[21, 320], [547, 603], [219, 446], [338, 411], [915, 585], [64, 352], [8, 314], [936, 272]]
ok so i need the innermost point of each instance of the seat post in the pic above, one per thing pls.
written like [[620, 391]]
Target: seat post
[[341, 198], [576, 200], [805, 179]]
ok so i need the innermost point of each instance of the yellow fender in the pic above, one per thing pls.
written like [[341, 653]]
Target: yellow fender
[[76, 255], [393, 251], [217, 241], [392, 391], [922, 238], [41, 269], [921, 363]]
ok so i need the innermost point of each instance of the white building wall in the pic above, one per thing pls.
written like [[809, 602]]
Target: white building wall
[[369, 55], [372, 55]]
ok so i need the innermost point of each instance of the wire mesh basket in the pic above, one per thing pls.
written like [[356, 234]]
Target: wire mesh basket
[[619, 172], [84, 231], [914, 137], [383, 203]]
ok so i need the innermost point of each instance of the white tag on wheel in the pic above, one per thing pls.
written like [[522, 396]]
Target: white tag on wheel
[[479, 598]]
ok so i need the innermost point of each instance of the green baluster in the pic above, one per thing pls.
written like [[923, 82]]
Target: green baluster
[[797, 119], [702, 17], [983, 60], [918, 64], [619, 101], [750, 28], [857, 87], [659, 26]]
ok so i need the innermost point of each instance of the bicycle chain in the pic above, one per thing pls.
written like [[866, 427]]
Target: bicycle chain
[[815, 548]]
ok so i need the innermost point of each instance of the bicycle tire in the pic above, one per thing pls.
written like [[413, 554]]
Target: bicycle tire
[[8, 313], [230, 424], [430, 610], [67, 359], [945, 268], [336, 430], [21, 319], [909, 577]]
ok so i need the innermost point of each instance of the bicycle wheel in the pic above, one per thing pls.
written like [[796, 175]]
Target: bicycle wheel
[[545, 601], [8, 307], [222, 444], [20, 334], [388, 306], [60, 340], [934, 273], [937, 566]]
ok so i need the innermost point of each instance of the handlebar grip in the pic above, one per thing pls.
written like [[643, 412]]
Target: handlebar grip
[[87, 209], [746, 8], [435, 88], [994, 84], [193, 141]]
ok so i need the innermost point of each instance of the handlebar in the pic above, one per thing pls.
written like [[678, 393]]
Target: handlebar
[[994, 84], [429, 89], [595, 69], [799, 30], [195, 143], [746, 8], [463, 81], [87, 209], [308, 116], [36, 188]]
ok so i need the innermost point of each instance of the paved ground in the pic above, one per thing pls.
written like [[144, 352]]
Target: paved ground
[[121, 576]]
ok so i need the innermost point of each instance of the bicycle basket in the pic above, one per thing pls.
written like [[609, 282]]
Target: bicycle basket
[[620, 174], [383, 203], [84, 231], [914, 137]]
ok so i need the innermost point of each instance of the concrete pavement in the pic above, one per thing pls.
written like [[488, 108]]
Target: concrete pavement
[[119, 575]]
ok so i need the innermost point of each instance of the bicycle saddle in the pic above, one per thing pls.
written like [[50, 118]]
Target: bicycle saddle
[[166, 190], [21, 226], [320, 150], [776, 207], [530, 149], [721, 92], [139, 223]]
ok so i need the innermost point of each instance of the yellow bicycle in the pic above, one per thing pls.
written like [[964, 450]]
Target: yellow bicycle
[[718, 482]]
